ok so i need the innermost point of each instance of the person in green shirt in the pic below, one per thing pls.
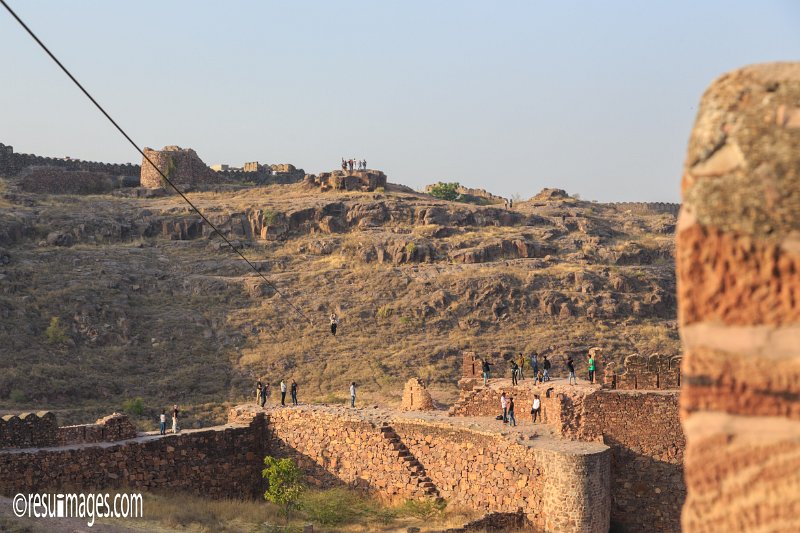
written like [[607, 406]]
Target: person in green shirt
[[591, 368]]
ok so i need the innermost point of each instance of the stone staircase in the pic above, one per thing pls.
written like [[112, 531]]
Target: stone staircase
[[417, 471]]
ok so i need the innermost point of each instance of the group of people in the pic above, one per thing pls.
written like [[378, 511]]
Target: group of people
[[507, 404], [540, 368], [162, 423], [263, 392], [509, 203], [354, 164]]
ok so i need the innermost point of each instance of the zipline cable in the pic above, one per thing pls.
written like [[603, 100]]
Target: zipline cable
[[163, 176]]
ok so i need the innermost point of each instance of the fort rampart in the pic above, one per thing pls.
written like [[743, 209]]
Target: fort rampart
[[12, 164]]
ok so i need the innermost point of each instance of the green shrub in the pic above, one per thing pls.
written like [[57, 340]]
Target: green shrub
[[55, 332], [133, 406], [425, 509], [411, 247], [333, 507], [445, 191], [285, 482]]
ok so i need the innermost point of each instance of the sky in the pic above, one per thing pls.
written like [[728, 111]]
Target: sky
[[594, 97]]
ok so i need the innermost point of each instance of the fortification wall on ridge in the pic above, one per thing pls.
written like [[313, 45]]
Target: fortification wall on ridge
[[12, 164], [28, 430], [648, 208]]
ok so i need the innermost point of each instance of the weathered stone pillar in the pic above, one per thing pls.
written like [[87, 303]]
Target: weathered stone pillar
[[738, 267]]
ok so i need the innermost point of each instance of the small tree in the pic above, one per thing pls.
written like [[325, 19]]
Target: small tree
[[134, 406], [285, 483], [55, 333], [445, 191]]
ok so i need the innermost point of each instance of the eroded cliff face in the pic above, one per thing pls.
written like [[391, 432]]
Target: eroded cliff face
[[738, 268]]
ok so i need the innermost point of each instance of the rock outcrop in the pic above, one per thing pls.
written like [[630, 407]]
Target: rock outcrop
[[738, 267], [352, 180]]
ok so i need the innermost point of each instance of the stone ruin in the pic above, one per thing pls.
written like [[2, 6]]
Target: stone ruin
[[738, 278], [652, 372], [416, 396], [181, 165], [29, 430], [351, 180]]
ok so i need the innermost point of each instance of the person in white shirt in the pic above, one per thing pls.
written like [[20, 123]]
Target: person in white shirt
[[283, 392], [353, 394], [175, 419], [537, 404], [163, 422], [504, 405]]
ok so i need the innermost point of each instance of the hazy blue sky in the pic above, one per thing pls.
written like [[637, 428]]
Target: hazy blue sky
[[595, 97]]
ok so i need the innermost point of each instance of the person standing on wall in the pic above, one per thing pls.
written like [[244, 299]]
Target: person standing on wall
[[259, 389], [175, 418], [504, 405], [485, 369], [511, 419], [572, 380], [283, 392], [264, 394], [521, 364], [353, 394], [546, 368], [537, 404], [294, 392], [535, 366], [163, 422], [591, 367], [514, 372]]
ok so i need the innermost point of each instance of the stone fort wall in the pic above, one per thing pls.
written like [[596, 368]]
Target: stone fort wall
[[12, 164], [648, 208], [219, 462], [642, 428]]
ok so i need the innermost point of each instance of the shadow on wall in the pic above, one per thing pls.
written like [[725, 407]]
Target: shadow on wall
[[641, 482]]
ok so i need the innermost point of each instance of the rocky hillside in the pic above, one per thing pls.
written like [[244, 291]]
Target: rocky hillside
[[107, 298]]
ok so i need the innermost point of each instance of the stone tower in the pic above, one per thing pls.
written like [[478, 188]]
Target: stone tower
[[182, 165]]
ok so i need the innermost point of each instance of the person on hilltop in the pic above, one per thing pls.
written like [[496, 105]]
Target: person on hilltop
[[175, 428], [259, 389], [535, 408], [504, 406], [591, 368], [572, 380], [521, 364], [283, 392], [353, 394], [264, 394], [511, 203], [365, 164], [535, 366], [485, 369], [163, 422], [294, 392], [511, 419], [514, 372], [546, 368], [344, 165], [334, 323]]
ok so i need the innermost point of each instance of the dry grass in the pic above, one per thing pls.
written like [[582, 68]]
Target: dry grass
[[328, 510]]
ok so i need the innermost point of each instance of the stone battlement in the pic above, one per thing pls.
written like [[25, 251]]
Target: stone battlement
[[13, 164], [648, 208], [40, 430], [652, 372]]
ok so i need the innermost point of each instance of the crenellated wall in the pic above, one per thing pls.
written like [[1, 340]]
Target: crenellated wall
[[12, 164]]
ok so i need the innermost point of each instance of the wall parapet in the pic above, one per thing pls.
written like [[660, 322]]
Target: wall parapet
[[639, 372]]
